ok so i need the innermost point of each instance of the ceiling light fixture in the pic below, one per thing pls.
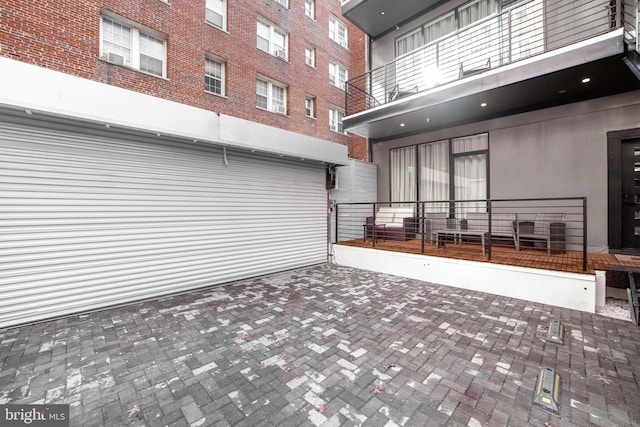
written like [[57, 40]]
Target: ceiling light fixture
[[586, 80], [401, 125], [382, 13], [484, 104]]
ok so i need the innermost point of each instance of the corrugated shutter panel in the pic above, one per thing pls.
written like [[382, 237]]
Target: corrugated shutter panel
[[88, 220]]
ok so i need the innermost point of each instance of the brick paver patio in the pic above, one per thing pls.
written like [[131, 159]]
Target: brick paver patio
[[325, 346]]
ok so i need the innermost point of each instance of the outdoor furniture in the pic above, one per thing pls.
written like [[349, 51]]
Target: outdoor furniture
[[548, 228], [391, 224], [476, 225], [434, 222]]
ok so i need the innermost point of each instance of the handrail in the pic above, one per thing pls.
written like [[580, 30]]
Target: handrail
[[520, 31], [350, 219]]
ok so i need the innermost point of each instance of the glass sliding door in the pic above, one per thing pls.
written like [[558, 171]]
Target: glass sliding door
[[403, 174], [470, 170], [434, 174]]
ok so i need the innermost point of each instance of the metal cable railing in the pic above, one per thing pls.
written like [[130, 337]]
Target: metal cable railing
[[556, 227], [524, 30]]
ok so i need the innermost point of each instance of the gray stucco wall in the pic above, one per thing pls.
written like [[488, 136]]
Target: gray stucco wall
[[556, 152]]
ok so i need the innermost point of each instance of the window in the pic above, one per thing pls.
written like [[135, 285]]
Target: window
[[451, 169], [310, 106], [335, 119], [272, 39], [133, 47], [214, 76], [338, 75], [338, 31], [285, 3], [475, 11], [310, 56], [439, 27], [310, 8], [271, 96], [216, 13]]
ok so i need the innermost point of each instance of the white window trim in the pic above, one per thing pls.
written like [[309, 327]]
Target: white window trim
[[223, 72], [136, 29], [334, 111], [284, 3], [312, 99], [224, 17], [337, 67], [271, 106], [273, 50], [333, 21], [313, 56], [310, 13]]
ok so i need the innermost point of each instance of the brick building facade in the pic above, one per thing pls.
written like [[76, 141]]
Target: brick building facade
[[66, 37]]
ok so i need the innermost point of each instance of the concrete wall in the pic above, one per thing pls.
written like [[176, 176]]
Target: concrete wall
[[556, 152]]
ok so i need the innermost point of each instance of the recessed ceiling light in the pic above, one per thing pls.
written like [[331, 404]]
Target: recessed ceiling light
[[401, 124], [562, 91], [428, 119], [484, 104], [586, 80], [382, 13]]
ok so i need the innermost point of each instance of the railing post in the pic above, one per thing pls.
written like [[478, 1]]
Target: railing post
[[373, 227], [584, 234], [336, 239], [420, 224], [619, 13], [490, 231]]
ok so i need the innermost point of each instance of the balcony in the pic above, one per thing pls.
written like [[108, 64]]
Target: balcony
[[536, 54]]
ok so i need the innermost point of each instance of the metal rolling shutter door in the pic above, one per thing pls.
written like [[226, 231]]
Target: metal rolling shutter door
[[88, 220]]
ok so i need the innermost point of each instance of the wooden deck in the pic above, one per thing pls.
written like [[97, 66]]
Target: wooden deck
[[570, 261]]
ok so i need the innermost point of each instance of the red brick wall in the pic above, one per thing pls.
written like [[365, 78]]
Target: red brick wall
[[64, 35]]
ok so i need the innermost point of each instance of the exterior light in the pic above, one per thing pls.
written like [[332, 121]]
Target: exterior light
[[401, 125], [382, 13], [484, 104], [586, 80]]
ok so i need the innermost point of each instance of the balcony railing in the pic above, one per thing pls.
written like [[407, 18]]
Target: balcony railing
[[523, 228], [524, 30]]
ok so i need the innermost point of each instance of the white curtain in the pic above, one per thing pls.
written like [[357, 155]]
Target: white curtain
[[434, 174], [403, 174], [470, 179]]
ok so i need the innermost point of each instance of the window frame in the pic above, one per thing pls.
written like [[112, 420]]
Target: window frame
[[310, 106], [284, 3], [335, 68], [310, 58], [310, 11], [334, 33], [222, 79], [271, 85], [273, 30], [134, 62], [338, 120], [222, 27]]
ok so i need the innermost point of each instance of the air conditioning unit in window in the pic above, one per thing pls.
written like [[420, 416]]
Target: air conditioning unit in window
[[116, 59], [281, 53], [280, 109]]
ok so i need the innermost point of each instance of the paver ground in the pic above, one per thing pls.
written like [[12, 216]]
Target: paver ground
[[325, 346]]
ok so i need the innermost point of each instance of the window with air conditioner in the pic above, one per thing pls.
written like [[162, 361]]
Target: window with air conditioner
[[131, 45], [310, 56], [216, 13], [335, 119], [272, 39], [338, 31], [271, 95], [338, 75], [214, 69]]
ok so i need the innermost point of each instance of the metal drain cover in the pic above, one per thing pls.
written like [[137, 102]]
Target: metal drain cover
[[547, 390]]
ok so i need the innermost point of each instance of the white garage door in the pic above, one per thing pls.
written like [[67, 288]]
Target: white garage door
[[90, 219]]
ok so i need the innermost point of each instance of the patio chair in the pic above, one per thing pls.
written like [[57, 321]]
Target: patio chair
[[548, 228], [476, 224], [435, 222]]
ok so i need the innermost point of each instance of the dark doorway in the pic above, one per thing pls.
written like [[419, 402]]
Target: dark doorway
[[624, 190], [630, 186]]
